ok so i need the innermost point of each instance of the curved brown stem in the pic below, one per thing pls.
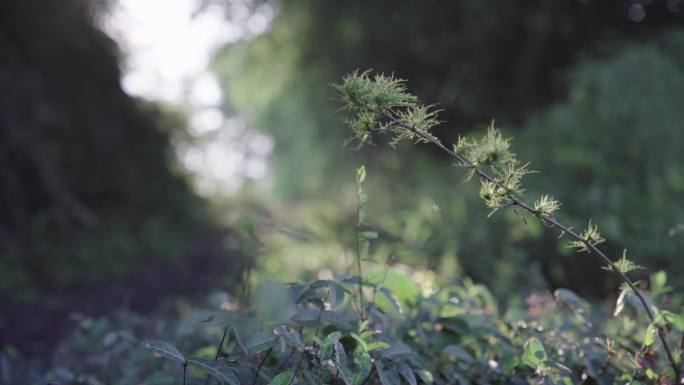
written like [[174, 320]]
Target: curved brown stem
[[553, 222]]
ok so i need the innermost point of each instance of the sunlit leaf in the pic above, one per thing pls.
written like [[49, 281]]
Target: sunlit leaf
[[399, 283], [534, 353], [362, 343], [377, 345], [425, 376], [390, 298], [620, 303]]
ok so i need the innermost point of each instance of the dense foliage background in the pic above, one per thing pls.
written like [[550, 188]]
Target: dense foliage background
[[588, 93], [94, 200]]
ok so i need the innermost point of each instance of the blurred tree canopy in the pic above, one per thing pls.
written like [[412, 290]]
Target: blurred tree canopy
[[89, 187], [613, 150], [477, 60], [581, 82], [86, 181]]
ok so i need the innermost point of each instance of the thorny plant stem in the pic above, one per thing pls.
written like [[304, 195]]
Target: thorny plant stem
[[551, 222]]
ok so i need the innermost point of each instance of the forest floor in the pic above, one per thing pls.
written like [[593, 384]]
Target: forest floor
[[36, 328]]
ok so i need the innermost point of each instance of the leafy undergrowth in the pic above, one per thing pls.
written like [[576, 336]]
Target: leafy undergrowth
[[318, 333], [389, 324]]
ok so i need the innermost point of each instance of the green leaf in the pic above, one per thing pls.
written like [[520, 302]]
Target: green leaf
[[362, 343], [407, 373], [282, 378], [242, 325], [307, 317], [678, 323], [377, 346], [295, 291], [627, 296], [164, 349], [363, 363], [650, 335], [534, 353], [241, 338], [361, 174], [391, 300], [457, 353], [620, 303], [326, 344], [290, 336], [259, 342], [659, 283], [387, 376], [342, 363], [400, 284], [337, 294], [425, 376], [365, 248], [340, 320], [232, 319], [666, 318], [217, 369], [398, 351]]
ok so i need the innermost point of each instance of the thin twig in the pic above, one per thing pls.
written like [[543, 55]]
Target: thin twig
[[185, 369], [218, 352], [256, 374], [517, 201], [358, 249], [220, 346]]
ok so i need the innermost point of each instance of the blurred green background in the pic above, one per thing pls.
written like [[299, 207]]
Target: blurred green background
[[591, 94], [92, 188]]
